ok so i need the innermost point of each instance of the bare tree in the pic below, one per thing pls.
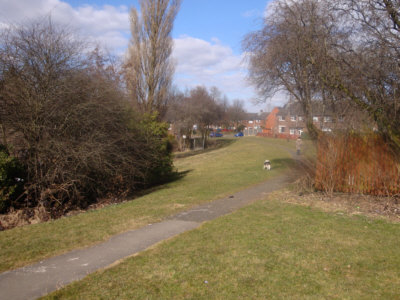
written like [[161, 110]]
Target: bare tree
[[182, 114], [38, 63], [68, 123], [364, 69], [207, 111], [285, 52], [236, 112], [148, 68], [198, 107]]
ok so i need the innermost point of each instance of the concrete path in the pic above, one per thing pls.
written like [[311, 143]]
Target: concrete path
[[51, 274]]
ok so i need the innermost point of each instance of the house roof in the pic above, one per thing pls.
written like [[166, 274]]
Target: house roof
[[295, 109], [255, 116], [291, 108]]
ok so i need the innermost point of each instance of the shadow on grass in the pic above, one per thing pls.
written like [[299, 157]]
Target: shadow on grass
[[283, 163], [175, 176], [219, 143]]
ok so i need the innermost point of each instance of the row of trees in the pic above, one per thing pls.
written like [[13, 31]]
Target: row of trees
[[75, 124], [203, 108], [344, 53]]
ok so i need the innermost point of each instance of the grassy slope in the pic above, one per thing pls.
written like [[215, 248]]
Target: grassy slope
[[209, 176], [269, 250]]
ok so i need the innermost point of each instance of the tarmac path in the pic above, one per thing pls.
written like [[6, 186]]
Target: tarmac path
[[48, 275]]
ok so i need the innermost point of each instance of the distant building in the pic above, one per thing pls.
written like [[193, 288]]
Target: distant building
[[254, 123], [270, 122], [289, 121]]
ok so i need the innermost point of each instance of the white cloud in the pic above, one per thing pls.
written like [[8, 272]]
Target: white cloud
[[198, 55], [199, 62], [211, 64], [107, 25]]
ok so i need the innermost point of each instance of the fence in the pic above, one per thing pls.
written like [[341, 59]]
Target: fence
[[278, 135], [355, 164]]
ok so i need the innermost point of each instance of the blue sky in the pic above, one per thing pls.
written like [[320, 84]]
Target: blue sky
[[207, 36], [226, 20]]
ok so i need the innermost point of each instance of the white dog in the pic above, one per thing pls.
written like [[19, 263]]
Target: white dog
[[267, 165]]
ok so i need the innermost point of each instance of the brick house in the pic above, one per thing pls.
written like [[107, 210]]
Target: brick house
[[289, 121], [254, 123], [270, 122]]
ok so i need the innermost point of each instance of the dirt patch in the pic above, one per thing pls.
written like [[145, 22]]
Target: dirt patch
[[387, 208]]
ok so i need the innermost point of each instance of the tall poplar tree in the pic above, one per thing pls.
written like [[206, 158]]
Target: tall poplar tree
[[149, 68]]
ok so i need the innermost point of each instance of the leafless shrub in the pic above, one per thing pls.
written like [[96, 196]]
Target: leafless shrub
[[305, 171], [329, 166], [68, 122], [354, 163]]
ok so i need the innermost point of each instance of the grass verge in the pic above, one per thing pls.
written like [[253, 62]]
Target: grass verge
[[209, 176], [269, 250]]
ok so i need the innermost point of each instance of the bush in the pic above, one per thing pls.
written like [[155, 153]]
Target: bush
[[158, 148], [355, 163], [12, 177], [69, 120]]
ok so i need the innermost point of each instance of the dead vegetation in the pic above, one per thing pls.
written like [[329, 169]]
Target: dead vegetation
[[387, 208], [304, 192], [28, 216]]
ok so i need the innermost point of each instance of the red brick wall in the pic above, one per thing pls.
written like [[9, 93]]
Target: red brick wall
[[278, 135], [270, 122]]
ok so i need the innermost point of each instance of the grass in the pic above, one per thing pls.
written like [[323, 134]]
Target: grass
[[214, 144], [309, 151], [209, 176], [269, 250]]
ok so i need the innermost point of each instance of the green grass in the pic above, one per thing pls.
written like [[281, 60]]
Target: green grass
[[209, 176], [268, 250], [215, 143]]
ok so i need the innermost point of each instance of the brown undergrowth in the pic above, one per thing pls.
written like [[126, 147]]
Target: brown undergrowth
[[25, 216], [21, 217], [303, 192], [387, 208]]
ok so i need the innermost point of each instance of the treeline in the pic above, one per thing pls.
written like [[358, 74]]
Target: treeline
[[343, 53], [202, 108], [70, 133]]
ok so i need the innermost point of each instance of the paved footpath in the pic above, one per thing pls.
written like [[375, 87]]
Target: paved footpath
[[39, 279]]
